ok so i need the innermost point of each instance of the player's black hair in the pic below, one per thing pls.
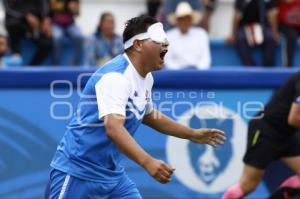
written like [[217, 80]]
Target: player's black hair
[[137, 25]]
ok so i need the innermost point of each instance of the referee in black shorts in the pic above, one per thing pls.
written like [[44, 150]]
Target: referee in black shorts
[[272, 136]]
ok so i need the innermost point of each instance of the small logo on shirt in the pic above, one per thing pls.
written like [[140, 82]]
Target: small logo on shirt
[[147, 96], [135, 94]]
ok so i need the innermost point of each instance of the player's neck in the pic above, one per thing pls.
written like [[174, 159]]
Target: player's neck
[[137, 64]]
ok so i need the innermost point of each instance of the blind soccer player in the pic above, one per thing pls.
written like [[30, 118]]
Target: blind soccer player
[[87, 161]]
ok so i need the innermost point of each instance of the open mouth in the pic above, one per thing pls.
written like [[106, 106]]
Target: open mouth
[[162, 54]]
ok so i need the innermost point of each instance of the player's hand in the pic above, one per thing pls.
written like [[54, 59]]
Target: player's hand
[[213, 137], [159, 170]]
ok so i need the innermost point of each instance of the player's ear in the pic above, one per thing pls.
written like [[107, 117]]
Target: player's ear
[[137, 45]]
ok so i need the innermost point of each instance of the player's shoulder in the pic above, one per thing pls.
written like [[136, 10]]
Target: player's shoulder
[[112, 70], [114, 81], [295, 77], [289, 84], [114, 78], [118, 65]]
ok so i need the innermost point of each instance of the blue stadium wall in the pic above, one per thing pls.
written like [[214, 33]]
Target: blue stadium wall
[[36, 105], [222, 54]]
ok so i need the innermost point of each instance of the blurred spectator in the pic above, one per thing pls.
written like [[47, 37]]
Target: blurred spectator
[[203, 7], [5, 58], [189, 46], [289, 26], [209, 7], [153, 7], [254, 25], [3, 45], [63, 14], [169, 7], [104, 44], [28, 19], [3, 49]]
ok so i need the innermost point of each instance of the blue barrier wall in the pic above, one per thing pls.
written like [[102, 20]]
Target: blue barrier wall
[[28, 48], [222, 54], [36, 105]]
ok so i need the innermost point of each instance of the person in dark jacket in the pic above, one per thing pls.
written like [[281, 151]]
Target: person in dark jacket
[[28, 19]]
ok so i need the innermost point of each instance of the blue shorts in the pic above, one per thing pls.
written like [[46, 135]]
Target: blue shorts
[[64, 186]]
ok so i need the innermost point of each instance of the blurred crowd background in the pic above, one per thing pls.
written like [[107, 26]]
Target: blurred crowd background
[[203, 33]]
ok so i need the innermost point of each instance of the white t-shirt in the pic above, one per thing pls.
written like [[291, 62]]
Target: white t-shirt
[[85, 150], [127, 91], [190, 49]]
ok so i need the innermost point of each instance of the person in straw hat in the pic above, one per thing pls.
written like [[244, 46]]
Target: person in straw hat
[[189, 45], [206, 7]]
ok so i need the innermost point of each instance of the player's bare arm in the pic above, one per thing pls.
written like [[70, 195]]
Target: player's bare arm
[[166, 125], [294, 115], [114, 125]]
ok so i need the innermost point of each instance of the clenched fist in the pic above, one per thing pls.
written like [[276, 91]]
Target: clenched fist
[[159, 170]]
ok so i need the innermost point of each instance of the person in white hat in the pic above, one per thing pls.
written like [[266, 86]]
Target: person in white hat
[[189, 46]]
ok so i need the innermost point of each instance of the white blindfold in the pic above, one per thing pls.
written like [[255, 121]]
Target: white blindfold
[[155, 32]]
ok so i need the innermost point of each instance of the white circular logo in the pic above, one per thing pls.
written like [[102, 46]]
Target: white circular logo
[[203, 168]]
